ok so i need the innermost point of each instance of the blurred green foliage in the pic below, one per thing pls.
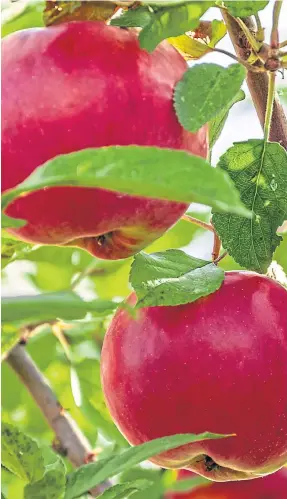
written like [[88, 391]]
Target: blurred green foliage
[[22, 16], [54, 269]]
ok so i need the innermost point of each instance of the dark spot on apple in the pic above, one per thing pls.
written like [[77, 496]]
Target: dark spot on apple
[[210, 465], [104, 238]]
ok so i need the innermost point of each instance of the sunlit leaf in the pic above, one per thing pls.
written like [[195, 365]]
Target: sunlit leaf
[[172, 278], [204, 91], [144, 171], [260, 173], [21, 454], [90, 475], [50, 306], [245, 8], [51, 486]]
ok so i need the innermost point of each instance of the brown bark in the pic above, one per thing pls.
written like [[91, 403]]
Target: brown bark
[[72, 443], [257, 82]]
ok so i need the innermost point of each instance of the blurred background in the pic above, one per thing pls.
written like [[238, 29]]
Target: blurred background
[[44, 269]]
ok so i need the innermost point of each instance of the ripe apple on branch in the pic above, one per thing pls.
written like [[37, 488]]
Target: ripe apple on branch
[[91, 86], [217, 363]]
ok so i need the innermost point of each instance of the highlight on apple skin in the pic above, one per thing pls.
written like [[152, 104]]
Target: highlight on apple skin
[[86, 85], [272, 486], [217, 364]]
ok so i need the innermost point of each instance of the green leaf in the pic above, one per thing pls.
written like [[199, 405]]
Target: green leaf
[[90, 475], [154, 475], [51, 486], [172, 278], [8, 222], [143, 171], [124, 490], [245, 8], [12, 249], [111, 278], [172, 21], [216, 125], [137, 18], [260, 173], [50, 306], [219, 30], [21, 454], [204, 91], [29, 15]]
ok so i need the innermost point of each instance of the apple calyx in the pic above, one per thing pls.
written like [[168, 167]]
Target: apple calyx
[[125, 241]]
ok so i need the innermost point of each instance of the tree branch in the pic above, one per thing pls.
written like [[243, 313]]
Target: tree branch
[[258, 83], [72, 441]]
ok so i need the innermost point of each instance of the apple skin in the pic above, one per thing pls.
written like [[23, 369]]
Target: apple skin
[[218, 364], [81, 85], [273, 486]]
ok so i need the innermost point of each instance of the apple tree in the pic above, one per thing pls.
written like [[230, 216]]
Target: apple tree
[[130, 349]]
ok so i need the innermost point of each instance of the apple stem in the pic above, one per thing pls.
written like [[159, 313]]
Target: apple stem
[[83, 274], [219, 258], [58, 333], [216, 247], [198, 222], [69, 436], [254, 69], [206, 226]]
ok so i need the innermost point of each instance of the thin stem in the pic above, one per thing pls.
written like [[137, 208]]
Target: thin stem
[[84, 273], [283, 44], [204, 225], [219, 258], [255, 69], [274, 39], [72, 441], [260, 30], [269, 105], [57, 331], [216, 247], [195, 221]]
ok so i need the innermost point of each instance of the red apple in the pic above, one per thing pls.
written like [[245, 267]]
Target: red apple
[[273, 486], [218, 364], [80, 85]]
